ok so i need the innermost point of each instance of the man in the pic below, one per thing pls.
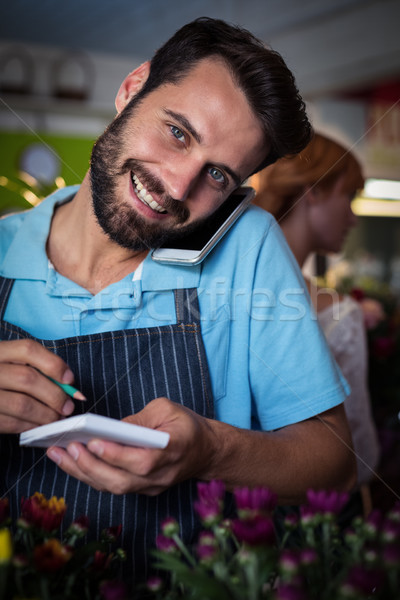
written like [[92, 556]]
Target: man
[[199, 352]]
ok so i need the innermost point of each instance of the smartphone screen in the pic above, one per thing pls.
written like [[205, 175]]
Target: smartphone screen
[[192, 249]]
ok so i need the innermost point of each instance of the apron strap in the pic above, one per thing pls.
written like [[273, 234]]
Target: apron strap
[[5, 291], [187, 306]]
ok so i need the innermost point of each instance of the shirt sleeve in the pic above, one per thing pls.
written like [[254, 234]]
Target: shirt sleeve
[[293, 375]]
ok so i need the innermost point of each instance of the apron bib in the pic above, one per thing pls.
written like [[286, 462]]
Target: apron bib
[[119, 372]]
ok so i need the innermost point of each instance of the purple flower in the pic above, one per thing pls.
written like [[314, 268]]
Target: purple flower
[[214, 491], [111, 534], [363, 581], [170, 527], [155, 584], [291, 521], [290, 592], [210, 502], [373, 522], [308, 556], [327, 502], [206, 538], [206, 553], [259, 500], [390, 530], [255, 531], [166, 544], [113, 590], [391, 556], [289, 561]]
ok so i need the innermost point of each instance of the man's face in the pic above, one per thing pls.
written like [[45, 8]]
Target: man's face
[[167, 164]]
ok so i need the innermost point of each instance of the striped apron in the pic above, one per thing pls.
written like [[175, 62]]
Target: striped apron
[[119, 372]]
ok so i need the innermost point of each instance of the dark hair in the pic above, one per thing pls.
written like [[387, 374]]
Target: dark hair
[[260, 72]]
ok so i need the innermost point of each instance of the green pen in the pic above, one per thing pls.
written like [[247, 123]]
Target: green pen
[[68, 389]]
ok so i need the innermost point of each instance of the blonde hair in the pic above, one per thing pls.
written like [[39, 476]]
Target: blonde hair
[[320, 164]]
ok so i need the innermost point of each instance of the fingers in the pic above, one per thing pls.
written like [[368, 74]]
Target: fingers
[[30, 352], [27, 397], [78, 462]]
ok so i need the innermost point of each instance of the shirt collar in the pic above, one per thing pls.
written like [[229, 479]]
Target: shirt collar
[[26, 257]]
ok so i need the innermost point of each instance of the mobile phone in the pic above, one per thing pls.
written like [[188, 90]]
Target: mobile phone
[[191, 250]]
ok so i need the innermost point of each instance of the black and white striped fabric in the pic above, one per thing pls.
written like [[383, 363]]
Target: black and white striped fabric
[[119, 372]]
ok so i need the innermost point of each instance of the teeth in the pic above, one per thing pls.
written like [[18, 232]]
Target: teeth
[[145, 197]]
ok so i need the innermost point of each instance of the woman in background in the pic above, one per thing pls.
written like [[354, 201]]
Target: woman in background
[[310, 196]]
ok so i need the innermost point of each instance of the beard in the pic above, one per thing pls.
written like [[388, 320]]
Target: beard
[[118, 219]]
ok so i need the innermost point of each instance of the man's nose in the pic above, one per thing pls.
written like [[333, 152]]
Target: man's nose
[[180, 177]]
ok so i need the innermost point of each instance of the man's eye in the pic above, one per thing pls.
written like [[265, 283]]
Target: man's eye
[[217, 175], [176, 132]]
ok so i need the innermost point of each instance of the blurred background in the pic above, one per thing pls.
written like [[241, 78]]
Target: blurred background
[[61, 64]]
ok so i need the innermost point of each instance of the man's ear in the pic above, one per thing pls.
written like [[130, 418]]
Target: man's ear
[[131, 85]]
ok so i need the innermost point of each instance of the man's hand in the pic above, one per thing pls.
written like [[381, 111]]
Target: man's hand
[[27, 397], [112, 467], [316, 453]]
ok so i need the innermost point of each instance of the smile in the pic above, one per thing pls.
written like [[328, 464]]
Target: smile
[[145, 197]]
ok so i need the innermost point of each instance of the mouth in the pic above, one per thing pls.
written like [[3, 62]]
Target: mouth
[[145, 197]]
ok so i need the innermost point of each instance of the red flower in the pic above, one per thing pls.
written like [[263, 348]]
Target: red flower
[[101, 561], [51, 556], [42, 513], [4, 510], [111, 534], [255, 531]]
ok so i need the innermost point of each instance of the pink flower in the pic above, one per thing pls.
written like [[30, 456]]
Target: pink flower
[[327, 502], [166, 544], [255, 531], [209, 505], [259, 500], [154, 583], [363, 581], [289, 561], [170, 527], [113, 590], [214, 491], [290, 592]]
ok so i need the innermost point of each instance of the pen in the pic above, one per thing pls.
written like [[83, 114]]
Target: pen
[[68, 389]]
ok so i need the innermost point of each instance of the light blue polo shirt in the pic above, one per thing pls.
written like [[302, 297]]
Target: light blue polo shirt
[[268, 360]]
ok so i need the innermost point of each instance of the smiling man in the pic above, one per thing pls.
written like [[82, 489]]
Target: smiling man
[[218, 355]]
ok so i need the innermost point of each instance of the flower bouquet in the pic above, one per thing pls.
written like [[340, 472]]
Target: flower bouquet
[[37, 562], [244, 558]]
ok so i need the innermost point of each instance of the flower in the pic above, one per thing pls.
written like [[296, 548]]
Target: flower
[[4, 510], [166, 544], [111, 534], [327, 502], [210, 502], [51, 556], [254, 531], [5, 546], [363, 581], [113, 590], [170, 527], [259, 500], [39, 512], [79, 527], [154, 583]]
